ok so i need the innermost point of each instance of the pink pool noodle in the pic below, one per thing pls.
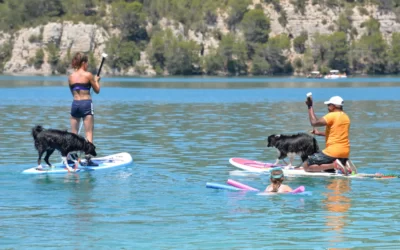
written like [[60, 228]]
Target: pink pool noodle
[[300, 189], [241, 185]]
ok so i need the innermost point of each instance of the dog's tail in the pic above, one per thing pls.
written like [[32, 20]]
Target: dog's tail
[[36, 130], [315, 144]]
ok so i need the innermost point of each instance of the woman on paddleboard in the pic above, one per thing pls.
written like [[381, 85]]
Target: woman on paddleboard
[[80, 83], [277, 179]]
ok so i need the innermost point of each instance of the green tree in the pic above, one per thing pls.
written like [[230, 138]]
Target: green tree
[[160, 42], [338, 56], [356, 55], [53, 56], [308, 60], [234, 53], [255, 26], [320, 46], [281, 41], [38, 8], [344, 23], [183, 58], [213, 63], [260, 65], [124, 54], [299, 43], [5, 53], [394, 54], [38, 59], [372, 25], [372, 50], [273, 54], [237, 10], [129, 18], [299, 5]]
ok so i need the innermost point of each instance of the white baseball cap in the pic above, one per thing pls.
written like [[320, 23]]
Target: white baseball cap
[[335, 100]]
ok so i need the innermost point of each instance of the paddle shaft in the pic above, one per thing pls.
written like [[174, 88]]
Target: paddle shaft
[[309, 98], [101, 66]]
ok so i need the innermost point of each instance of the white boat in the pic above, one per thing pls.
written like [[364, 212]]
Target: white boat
[[335, 74], [314, 74]]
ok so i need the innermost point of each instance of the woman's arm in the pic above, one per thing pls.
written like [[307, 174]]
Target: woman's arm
[[69, 85], [94, 81]]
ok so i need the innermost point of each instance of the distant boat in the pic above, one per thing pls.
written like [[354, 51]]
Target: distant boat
[[314, 74], [335, 74]]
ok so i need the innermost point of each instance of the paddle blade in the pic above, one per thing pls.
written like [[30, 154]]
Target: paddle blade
[[104, 56]]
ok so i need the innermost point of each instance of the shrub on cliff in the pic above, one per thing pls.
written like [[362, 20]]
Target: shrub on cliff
[[213, 63], [394, 54], [255, 26], [236, 12], [299, 43], [271, 55], [175, 54], [5, 54], [129, 18], [182, 58], [123, 54], [299, 6], [38, 59], [260, 66], [233, 52], [338, 56]]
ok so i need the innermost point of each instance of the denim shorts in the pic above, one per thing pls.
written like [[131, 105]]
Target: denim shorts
[[81, 108], [320, 158]]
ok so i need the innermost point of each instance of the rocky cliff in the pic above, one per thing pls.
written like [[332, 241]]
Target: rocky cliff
[[70, 38]]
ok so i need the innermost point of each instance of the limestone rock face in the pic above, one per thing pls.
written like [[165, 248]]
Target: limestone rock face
[[4, 37], [69, 37], [66, 36]]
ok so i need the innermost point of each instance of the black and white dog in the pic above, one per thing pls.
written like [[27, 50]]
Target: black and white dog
[[289, 145], [48, 140]]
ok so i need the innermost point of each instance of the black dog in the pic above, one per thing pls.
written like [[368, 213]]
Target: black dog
[[48, 140], [301, 144]]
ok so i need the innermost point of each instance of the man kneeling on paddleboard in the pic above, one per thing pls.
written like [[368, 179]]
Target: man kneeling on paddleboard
[[335, 155]]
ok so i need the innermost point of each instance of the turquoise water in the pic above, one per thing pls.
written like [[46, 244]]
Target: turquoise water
[[181, 134]]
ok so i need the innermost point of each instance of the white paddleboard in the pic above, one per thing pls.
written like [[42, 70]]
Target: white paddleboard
[[262, 167], [106, 162]]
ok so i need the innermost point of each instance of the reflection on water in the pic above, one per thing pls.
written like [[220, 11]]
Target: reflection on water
[[181, 138], [337, 204]]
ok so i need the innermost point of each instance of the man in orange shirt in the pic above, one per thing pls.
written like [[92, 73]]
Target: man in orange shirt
[[337, 151]]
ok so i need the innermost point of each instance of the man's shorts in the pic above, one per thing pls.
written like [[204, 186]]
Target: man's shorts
[[81, 108], [320, 158]]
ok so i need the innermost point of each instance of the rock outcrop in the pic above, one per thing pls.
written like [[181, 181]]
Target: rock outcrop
[[70, 38]]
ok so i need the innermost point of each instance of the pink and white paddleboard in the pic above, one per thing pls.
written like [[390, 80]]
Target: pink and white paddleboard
[[251, 165], [260, 167]]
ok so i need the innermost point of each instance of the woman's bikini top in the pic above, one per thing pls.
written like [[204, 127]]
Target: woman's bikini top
[[80, 86]]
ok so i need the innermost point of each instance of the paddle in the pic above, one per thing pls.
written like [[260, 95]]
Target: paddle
[[309, 99], [104, 56]]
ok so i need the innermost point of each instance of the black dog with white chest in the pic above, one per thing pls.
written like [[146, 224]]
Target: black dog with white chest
[[48, 140], [301, 144]]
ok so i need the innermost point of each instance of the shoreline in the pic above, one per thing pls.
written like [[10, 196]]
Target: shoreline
[[233, 79]]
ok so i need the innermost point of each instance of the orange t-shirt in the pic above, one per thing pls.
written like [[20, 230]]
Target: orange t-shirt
[[337, 135]]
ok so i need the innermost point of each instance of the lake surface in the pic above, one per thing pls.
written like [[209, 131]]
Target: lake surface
[[181, 134]]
